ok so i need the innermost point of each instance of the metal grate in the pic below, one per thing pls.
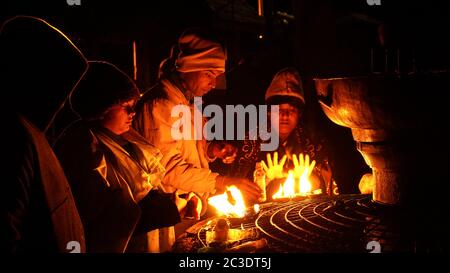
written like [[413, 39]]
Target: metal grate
[[345, 223]]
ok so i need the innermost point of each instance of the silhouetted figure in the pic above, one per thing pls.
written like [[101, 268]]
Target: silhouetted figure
[[40, 68]]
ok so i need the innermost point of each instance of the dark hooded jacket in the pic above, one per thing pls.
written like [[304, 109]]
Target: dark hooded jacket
[[115, 178], [41, 66]]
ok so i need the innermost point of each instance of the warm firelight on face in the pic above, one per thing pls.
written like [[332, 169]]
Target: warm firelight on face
[[235, 208]]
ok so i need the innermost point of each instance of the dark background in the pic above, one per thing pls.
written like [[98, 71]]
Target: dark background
[[321, 38]]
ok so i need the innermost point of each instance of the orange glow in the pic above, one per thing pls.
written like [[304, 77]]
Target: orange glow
[[289, 190], [225, 207], [260, 8], [305, 184], [256, 208], [134, 61]]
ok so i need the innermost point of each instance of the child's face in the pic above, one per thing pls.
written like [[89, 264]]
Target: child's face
[[119, 117], [287, 118]]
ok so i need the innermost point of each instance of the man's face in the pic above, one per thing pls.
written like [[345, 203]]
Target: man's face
[[200, 82], [288, 118]]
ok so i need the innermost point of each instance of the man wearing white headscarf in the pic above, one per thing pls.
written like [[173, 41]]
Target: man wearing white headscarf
[[190, 72]]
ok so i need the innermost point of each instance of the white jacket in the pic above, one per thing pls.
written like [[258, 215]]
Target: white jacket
[[185, 161]]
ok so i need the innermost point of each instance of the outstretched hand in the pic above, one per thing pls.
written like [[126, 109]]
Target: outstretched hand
[[302, 165], [273, 168]]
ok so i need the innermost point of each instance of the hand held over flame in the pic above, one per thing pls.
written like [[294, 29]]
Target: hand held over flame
[[249, 189], [302, 167], [274, 168]]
